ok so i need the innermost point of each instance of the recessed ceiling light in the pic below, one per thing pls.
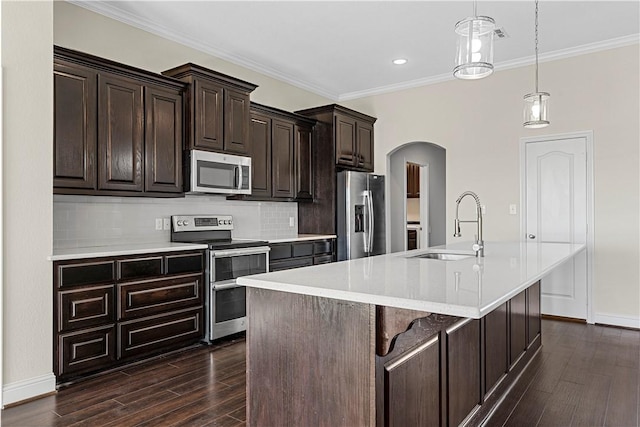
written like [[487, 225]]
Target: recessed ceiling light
[[399, 61]]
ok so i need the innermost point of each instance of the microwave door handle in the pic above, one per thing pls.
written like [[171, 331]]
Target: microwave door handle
[[239, 177]]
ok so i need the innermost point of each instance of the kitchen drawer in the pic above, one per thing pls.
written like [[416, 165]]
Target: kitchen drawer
[[185, 263], [302, 249], [138, 268], [150, 297], [280, 251], [86, 350], [323, 259], [158, 333], [85, 308], [291, 263], [86, 273], [323, 247]]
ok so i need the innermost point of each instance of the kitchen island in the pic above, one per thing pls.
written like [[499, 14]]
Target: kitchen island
[[395, 339]]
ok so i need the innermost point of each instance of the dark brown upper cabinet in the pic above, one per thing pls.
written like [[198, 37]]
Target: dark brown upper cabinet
[[117, 129], [413, 180], [217, 109], [74, 125], [352, 135], [281, 155]]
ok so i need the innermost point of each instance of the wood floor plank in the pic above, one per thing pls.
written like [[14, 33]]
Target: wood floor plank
[[212, 413], [592, 408], [530, 409], [621, 409]]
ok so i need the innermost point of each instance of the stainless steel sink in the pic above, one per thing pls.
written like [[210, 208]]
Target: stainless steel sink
[[443, 256]]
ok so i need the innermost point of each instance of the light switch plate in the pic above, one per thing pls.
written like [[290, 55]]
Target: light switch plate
[[158, 223], [292, 221], [513, 210]]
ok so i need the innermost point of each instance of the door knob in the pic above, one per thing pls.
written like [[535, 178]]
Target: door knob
[[532, 236]]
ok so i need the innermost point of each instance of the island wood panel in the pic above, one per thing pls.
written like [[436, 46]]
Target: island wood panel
[[494, 335], [533, 312], [463, 369], [517, 326], [310, 360], [412, 387]]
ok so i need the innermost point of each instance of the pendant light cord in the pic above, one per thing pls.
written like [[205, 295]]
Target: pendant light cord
[[536, 46], [475, 8]]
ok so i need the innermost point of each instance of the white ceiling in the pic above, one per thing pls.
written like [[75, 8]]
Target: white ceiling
[[343, 49]]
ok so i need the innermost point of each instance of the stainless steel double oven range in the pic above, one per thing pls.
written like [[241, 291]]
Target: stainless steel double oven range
[[228, 259]]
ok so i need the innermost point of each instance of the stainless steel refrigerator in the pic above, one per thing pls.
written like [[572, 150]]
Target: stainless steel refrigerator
[[361, 215]]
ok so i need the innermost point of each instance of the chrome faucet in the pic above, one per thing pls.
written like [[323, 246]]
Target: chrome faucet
[[478, 246]]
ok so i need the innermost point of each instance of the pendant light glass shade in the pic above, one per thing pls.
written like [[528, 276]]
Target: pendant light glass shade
[[474, 55], [536, 110], [536, 105]]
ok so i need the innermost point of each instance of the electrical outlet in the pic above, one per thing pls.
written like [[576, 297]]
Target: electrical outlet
[[292, 222], [158, 223], [513, 210], [166, 223]]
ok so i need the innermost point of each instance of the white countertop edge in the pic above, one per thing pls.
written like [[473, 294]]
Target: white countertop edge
[[303, 237], [122, 250], [430, 307], [412, 304]]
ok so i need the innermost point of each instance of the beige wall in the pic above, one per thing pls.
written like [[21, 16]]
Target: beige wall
[[27, 35], [480, 125]]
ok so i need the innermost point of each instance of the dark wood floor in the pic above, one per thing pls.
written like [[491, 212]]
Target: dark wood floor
[[585, 375]]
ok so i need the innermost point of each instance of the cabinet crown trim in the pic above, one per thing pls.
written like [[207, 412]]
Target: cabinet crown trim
[[117, 68], [335, 108], [281, 114], [193, 70]]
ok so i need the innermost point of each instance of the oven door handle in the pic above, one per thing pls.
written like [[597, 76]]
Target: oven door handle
[[237, 252], [223, 286]]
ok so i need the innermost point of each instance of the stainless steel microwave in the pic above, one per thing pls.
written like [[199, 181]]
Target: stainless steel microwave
[[218, 173]]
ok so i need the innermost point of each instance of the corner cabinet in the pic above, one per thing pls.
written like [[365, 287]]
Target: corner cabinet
[[351, 136], [217, 109], [117, 129], [281, 156], [110, 311]]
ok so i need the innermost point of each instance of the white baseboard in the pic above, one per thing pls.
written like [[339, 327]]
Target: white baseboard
[[615, 320], [28, 389]]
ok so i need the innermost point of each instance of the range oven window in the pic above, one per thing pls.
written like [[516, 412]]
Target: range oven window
[[232, 267], [230, 304]]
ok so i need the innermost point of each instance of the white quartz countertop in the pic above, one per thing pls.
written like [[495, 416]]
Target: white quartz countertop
[[471, 287], [303, 237], [124, 249]]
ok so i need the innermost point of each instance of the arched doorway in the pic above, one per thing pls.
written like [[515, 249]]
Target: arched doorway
[[430, 160]]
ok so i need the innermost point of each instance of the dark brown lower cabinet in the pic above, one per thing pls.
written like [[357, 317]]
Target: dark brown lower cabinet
[[533, 313], [517, 327], [494, 335], [147, 335], [86, 350], [463, 369], [287, 255], [110, 311], [410, 399]]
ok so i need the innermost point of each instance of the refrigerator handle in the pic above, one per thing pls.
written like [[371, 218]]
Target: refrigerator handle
[[371, 221]]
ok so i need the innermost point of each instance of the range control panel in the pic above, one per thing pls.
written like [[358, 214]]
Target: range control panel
[[201, 222]]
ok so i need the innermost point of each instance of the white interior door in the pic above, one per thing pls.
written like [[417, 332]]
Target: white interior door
[[556, 211]]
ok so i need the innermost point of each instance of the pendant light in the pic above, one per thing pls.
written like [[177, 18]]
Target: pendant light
[[536, 105], [474, 53]]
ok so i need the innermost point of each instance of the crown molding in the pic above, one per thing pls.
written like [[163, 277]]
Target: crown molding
[[110, 11], [106, 9]]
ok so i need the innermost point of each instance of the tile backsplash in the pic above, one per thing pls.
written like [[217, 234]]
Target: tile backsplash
[[80, 221]]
